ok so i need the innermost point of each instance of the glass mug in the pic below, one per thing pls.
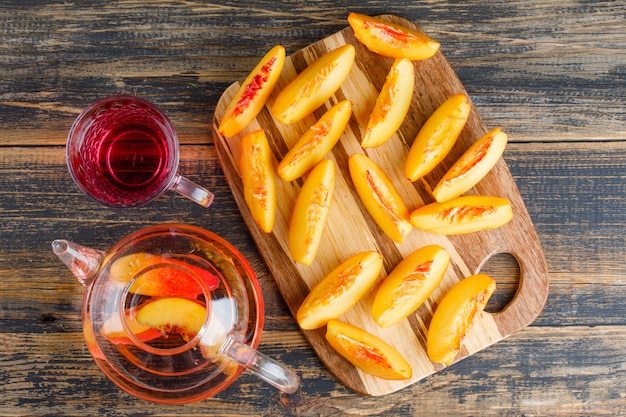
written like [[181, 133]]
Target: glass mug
[[123, 152]]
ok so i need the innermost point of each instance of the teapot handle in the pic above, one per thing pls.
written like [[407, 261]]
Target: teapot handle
[[262, 366]]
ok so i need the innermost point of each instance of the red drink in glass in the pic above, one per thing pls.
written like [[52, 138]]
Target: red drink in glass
[[123, 152]]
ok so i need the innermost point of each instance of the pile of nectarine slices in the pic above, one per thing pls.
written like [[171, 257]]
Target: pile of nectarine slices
[[414, 279]]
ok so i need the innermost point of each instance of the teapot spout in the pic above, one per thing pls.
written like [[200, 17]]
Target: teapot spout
[[82, 261]]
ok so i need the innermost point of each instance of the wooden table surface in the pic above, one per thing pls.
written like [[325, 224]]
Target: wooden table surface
[[552, 74]]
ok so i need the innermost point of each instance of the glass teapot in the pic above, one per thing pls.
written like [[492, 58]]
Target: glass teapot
[[172, 313]]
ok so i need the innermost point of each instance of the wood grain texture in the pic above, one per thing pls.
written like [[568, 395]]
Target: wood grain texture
[[350, 229], [551, 73]]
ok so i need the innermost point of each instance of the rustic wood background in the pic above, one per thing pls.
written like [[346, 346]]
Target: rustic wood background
[[551, 73]]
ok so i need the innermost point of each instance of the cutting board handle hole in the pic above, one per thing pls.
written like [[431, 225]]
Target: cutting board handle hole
[[505, 269]]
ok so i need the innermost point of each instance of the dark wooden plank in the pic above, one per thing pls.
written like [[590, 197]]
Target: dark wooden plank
[[519, 62], [513, 375]]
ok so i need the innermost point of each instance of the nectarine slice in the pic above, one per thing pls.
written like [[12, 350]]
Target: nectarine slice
[[392, 104], [472, 167], [437, 136], [173, 315], [253, 93], [163, 275], [316, 142], [410, 283], [455, 314], [391, 40], [310, 212], [341, 289], [380, 197], [313, 86], [463, 214], [258, 177], [113, 328], [367, 352]]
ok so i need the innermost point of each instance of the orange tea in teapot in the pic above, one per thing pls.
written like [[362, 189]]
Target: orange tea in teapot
[[172, 313]]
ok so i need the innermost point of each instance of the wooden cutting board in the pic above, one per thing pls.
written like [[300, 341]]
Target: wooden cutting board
[[350, 229]]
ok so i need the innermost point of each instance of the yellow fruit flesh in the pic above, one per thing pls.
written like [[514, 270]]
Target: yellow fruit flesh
[[472, 167], [380, 197], [437, 136], [464, 214], [253, 93], [310, 213], [410, 283], [341, 289], [313, 86], [257, 173], [392, 104], [391, 40], [454, 315], [367, 352], [177, 315], [316, 142]]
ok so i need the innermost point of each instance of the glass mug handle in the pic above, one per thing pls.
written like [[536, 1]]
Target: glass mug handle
[[192, 191]]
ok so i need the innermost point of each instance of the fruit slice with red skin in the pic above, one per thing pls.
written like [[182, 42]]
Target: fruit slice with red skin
[[437, 136], [253, 93], [454, 315], [310, 212], [316, 142], [173, 315], [410, 283], [258, 177], [367, 352], [113, 329], [392, 104], [164, 276], [391, 40], [339, 290], [380, 197], [472, 167], [313, 86], [463, 214]]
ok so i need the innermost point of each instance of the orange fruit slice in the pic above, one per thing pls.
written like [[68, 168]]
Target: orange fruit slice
[[258, 177], [454, 315], [392, 104], [253, 93], [472, 167], [341, 289], [367, 352], [410, 283], [437, 136], [313, 86], [380, 197], [464, 214], [391, 40], [316, 142], [310, 213]]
